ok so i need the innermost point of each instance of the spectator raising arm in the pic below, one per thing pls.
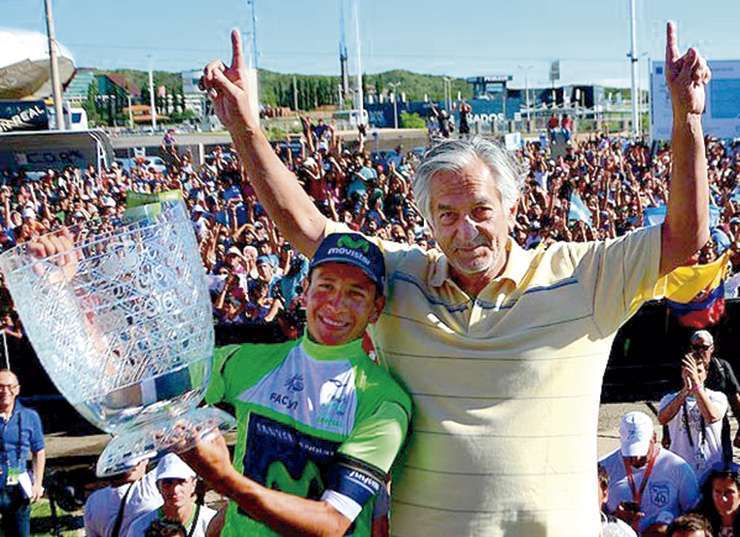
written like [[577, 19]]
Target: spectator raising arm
[[293, 212]]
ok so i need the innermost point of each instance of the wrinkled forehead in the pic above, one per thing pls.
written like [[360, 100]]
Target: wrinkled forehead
[[6, 377], [473, 183]]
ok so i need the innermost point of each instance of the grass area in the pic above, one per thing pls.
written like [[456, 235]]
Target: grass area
[[41, 523]]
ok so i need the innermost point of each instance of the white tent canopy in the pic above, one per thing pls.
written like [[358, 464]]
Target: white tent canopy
[[24, 64]]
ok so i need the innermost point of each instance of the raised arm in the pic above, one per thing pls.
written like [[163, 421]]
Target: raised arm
[[686, 226], [277, 188]]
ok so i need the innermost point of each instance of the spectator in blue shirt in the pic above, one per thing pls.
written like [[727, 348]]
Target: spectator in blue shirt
[[21, 432], [293, 280]]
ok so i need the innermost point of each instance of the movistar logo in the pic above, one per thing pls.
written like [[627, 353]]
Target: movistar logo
[[309, 485], [348, 242]]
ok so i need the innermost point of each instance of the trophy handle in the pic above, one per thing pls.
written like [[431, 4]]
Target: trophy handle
[[160, 436]]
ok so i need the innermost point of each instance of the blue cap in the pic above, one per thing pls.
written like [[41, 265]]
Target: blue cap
[[352, 249]]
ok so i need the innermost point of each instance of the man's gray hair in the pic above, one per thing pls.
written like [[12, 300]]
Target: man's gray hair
[[454, 155]]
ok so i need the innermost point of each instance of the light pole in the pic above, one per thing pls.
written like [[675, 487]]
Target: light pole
[[448, 92], [633, 70], [56, 86], [526, 69], [255, 54], [395, 85], [152, 103], [358, 51]]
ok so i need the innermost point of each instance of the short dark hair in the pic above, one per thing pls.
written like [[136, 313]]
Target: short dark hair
[[603, 476], [164, 528], [690, 522]]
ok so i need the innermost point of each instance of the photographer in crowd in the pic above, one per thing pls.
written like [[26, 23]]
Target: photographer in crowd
[[694, 418]]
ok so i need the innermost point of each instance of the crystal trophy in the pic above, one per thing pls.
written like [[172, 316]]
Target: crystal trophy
[[123, 325]]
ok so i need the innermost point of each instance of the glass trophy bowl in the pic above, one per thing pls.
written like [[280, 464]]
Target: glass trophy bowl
[[122, 323]]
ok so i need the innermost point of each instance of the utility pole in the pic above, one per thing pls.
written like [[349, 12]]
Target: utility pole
[[395, 85], [295, 94], [255, 54], [633, 64], [526, 69], [56, 85], [448, 93], [152, 107], [358, 51], [130, 112], [343, 58]]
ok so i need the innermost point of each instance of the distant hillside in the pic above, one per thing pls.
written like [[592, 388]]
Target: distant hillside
[[172, 81], [316, 90]]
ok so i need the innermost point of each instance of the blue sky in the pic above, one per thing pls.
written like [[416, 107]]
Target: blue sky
[[463, 38]]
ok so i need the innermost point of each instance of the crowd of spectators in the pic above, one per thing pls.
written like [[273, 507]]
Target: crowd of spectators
[[592, 188], [599, 187]]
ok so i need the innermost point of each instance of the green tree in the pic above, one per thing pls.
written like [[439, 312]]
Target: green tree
[[90, 105], [411, 121], [145, 94]]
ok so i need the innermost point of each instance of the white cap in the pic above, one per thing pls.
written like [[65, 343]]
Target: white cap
[[28, 212], [172, 467], [664, 517], [702, 336], [635, 434]]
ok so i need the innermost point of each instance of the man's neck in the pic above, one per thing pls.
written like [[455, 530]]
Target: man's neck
[[178, 514], [7, 410]]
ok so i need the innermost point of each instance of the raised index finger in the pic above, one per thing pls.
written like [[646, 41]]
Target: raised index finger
[[237, 58], [671, 43]]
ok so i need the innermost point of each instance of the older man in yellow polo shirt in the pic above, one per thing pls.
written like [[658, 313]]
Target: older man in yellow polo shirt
[[502, 349]]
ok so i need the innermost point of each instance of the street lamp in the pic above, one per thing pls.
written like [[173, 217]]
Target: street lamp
[[395, 85]]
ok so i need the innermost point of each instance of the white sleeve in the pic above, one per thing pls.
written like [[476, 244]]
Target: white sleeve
[[344, 504], [719, 399]]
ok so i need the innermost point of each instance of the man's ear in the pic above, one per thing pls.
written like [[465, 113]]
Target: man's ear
[[511, 217], [379, 305]]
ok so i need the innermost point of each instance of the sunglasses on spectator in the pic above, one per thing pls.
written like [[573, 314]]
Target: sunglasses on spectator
[[699, 347]]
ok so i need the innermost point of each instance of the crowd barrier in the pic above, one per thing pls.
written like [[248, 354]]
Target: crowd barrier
[[643, 364]]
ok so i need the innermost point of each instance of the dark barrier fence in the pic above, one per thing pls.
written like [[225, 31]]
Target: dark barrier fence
[[646, 355], [643, 364]]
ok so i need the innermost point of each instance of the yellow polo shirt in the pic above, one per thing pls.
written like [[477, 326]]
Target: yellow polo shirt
[[506, 385]]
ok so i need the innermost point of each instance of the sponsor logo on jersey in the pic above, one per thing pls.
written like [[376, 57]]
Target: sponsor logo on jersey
[[308, 485], [284, 400], [280, 457], [295, 383], [365, 480]]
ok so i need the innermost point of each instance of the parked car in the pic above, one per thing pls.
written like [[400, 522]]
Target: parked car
[[156, 163]]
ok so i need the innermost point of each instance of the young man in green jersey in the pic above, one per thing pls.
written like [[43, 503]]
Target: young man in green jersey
[[319, 423]]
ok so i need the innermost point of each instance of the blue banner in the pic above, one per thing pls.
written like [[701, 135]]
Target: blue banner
[[578, 210]]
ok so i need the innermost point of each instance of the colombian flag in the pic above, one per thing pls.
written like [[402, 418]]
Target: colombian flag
[[695, 295]]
